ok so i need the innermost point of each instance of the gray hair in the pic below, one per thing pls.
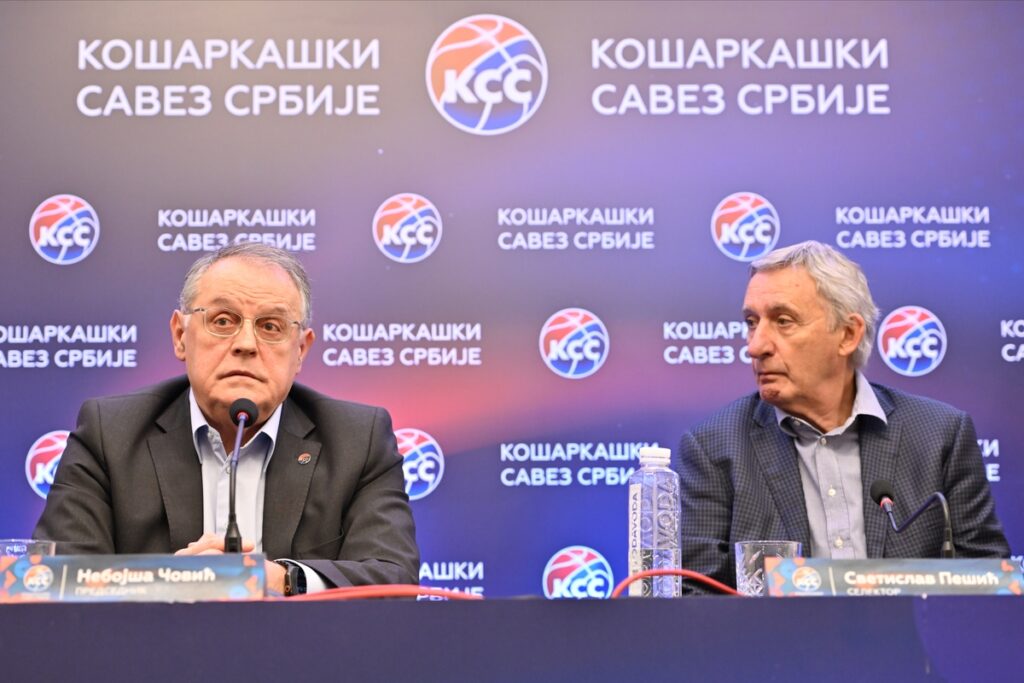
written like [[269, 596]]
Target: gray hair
[[257, 252], [839, 281]]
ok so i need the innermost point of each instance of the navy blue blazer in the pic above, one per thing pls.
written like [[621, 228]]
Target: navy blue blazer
[[740, 481]]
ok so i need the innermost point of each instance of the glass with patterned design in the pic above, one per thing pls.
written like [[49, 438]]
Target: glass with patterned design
[[750, 555], [18, 547]]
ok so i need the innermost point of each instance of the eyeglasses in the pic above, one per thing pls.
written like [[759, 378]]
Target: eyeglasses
[[223, 322]]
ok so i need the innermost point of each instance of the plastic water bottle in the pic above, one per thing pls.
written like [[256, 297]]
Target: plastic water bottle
[[654, 524]]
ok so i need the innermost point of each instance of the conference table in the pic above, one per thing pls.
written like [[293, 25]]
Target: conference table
[[520, 640]]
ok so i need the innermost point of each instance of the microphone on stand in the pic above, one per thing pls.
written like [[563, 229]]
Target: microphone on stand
[[882, 493], [243, 413]]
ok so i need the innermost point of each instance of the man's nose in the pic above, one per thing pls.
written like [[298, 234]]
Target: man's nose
[[759, 341], [245, 341]]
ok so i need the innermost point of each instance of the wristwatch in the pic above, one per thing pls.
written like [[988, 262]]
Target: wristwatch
[[294, 579]]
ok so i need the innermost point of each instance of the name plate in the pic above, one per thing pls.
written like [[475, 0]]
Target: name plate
[[132, 578], [854, 578]]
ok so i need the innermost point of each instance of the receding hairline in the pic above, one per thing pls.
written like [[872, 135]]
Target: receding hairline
[[258, 255], [250, 260], [784, 306]]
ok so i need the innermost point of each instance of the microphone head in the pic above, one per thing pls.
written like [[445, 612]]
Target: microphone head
[[881, 489], [246, 407]]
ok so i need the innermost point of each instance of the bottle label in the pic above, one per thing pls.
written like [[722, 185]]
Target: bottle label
[[635, 561]]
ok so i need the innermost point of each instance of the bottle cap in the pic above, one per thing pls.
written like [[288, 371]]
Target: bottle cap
[[651, 455]]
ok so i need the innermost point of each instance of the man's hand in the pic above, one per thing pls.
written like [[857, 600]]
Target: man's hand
[[212, 544], [275, 577]]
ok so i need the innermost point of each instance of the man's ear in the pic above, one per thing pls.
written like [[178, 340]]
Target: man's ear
[[178, 328], [853, 331], [306, 338]]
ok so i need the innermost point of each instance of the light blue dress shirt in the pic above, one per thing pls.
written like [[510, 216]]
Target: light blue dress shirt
[[830, 473], [250, 482]]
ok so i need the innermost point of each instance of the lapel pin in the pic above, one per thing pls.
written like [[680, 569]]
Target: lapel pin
[[304, 458]]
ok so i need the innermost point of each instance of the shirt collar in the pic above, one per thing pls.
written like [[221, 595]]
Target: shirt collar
[[865, 403], [200, 426]]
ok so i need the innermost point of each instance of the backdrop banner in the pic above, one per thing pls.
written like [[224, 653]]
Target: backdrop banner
[[528, 227]]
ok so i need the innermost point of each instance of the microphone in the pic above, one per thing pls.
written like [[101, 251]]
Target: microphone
[[881, 492], [243, 412]]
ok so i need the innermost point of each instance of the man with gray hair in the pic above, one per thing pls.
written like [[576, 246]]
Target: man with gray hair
[[320, 487], [796, 460]]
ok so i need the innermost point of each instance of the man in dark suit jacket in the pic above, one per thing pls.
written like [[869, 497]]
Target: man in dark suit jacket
[[145, 472], [796, 460]]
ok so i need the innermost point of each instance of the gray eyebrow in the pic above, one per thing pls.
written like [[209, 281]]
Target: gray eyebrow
[[274, 310]]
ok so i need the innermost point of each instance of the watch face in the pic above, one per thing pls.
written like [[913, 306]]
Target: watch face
[[294, 579]]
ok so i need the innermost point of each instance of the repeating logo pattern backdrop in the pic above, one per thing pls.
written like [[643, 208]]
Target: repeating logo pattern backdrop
[[565, 175]]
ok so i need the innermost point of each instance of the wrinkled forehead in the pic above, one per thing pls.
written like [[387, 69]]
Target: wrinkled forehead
[[243, 282], [790, 288], [240, 305]]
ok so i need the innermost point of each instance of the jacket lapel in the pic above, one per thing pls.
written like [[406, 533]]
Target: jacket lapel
[[879, 447], [777, 455], [178, 473], [288, 481]]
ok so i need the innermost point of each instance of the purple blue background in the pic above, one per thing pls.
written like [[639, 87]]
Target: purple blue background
[[954, 137]]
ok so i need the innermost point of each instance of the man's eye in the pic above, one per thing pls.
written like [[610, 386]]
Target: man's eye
[[271, 325], [223, 321]]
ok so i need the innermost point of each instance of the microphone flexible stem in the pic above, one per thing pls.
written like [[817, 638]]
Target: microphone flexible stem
[[232, 536], [937, 497]]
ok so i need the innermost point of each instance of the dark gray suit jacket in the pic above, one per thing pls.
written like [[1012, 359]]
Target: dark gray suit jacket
[[130, 481], [740, 481]]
